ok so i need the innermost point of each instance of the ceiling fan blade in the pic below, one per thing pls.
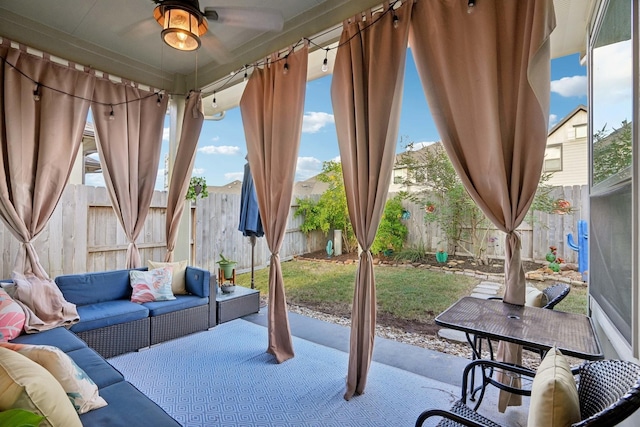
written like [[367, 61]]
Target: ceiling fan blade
[[213, 47], [258, 18]]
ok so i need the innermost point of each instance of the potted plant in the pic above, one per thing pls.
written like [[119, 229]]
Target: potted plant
[[227, 266], [197, 188]]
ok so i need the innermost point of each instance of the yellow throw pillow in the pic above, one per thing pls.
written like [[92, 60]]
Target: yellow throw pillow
[[80, 388], [178, 285], [554, 395], [535, 297], [26, 385]]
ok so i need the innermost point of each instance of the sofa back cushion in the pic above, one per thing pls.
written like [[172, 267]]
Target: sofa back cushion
[[92, 288]]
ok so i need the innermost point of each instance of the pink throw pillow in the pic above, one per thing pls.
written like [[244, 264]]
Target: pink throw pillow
[[12, 317], [152, 285]]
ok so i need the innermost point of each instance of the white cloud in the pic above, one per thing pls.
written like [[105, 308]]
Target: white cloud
[[314, 121], [307, 167], [336, 159], [420, 145], [553, 119], [94, 180], [233, 176], [612, 83], [570, 86], [160, 180], [225, 150], [198, 171], [215, 139], [165, 134]]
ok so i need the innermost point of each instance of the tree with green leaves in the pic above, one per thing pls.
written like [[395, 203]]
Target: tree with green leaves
[[612, 152], [330, 212], [392, 232]]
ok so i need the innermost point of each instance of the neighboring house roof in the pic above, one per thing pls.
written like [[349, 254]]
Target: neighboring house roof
[[234, 187], [309, 187], [566, 118]]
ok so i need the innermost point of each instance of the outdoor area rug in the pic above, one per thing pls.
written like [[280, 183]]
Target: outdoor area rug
[[223, 377]]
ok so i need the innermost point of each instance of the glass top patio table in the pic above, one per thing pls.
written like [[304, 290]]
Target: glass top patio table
[[538, 328]]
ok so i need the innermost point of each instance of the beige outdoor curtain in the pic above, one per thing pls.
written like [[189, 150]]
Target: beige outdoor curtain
[[39, 142], [272, 107], [181, 174], [129, 123], [366, 93], [486, 78]]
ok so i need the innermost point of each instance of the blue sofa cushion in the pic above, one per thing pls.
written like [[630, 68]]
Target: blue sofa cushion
[[94, 316], [92, 288], [180, 303], [197, 281], [98, 369], [127, 407], [58, 337]]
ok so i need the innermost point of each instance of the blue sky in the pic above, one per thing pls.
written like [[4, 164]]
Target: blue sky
[[222, 148]]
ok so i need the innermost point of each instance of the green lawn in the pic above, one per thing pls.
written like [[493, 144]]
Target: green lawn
[[409, 294], [406, 293]]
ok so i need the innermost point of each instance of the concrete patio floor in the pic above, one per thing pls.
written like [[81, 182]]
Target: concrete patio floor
[[428, 363]]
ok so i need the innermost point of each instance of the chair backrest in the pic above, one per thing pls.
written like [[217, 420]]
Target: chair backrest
[[555, 294], [609, 391]]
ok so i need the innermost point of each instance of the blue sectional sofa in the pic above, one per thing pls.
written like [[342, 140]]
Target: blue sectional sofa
[[111, 324], [126, 405]]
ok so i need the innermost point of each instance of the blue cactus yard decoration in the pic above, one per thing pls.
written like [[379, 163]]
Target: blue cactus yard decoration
[[581, 246], [329, 249]]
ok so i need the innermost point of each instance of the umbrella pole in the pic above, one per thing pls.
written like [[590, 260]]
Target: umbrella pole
[[253, 247]]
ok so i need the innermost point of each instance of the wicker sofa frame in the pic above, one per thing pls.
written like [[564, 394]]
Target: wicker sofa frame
[[134, 335]]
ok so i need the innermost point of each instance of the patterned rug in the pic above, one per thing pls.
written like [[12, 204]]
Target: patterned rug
[[223, 377]]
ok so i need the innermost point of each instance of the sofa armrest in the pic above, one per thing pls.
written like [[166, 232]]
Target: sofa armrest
[[197, 281]]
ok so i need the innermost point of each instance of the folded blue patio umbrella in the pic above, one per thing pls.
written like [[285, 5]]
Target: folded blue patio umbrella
[[250, 222]]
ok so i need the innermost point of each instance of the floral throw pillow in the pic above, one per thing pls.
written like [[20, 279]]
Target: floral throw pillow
[[12, 317], [152, 285], [80, 389]]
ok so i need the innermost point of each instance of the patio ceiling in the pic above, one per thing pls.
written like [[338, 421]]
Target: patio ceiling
[[120, 37]]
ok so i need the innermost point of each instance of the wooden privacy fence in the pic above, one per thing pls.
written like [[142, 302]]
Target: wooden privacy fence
[[84, 234], [537, 234]]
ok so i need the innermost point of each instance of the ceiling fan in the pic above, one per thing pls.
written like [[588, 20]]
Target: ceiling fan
[[183, 23]]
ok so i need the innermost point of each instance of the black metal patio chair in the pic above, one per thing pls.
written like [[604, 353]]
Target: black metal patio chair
[[555, 294], [608, 392]]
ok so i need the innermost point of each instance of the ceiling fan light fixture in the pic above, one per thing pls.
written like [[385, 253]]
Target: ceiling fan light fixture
[[182, 25]]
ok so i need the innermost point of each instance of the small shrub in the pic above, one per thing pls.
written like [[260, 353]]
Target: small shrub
[[392, 232], [414, 254]]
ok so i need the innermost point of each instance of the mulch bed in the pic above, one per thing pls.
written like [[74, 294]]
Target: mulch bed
[[495, 266]]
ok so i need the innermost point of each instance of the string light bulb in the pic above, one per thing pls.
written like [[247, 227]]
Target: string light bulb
[[112, 116], [396, 20], [285, 71], [159, 103], [246, 76], [471, 6], [36, 93], [325, 66], [214, 104]]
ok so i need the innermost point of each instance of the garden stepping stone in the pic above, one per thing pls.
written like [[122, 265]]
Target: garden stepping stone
[[493, 285], [452, 334], [485, 291], [483, 296]]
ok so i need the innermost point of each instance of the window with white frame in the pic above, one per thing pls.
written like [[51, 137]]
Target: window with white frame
[[581, 131], [553, 158]]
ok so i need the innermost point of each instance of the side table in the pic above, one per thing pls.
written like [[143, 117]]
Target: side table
[[239, 303]]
